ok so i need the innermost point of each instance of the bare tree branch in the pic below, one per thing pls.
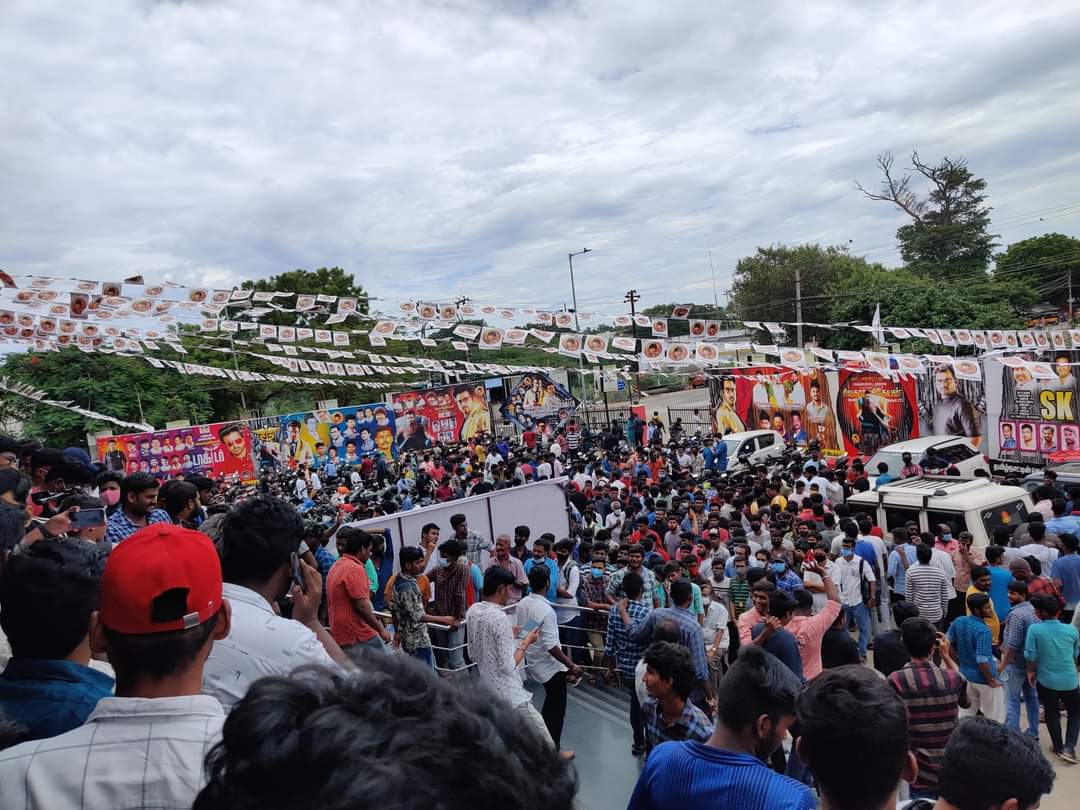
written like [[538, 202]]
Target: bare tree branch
[[896, 191]]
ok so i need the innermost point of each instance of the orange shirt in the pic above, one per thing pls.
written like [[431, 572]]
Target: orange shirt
[[422, 583], [347, 581]]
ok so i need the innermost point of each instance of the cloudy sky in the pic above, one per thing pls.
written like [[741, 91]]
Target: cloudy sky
[[463, 147]]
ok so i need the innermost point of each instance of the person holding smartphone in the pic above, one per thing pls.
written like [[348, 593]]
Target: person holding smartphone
[[87, 515]]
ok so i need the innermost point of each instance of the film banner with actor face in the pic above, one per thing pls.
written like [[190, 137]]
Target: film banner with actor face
[[346, 435], [874, 411], [221, 449], [539, 402], [951, 406], [1033, 410], [452, 413], [796, 404]]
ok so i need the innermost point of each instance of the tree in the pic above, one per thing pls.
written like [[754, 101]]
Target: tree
[[323, 281], [910, 299], [1043, 262], [947, 235], [763, 287], [123, 387]]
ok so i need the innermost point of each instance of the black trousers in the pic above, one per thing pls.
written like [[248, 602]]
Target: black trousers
[[554, 711], [637, 722], [1052, 700]]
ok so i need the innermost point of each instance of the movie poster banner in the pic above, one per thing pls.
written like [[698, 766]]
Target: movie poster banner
[[797, 404], [952, 406], [345, 435], [220, 449], [537, 401], [1033, 419], [874, 411], [452, 413]]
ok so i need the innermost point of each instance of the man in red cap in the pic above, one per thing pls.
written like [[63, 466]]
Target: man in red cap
[[161, 610]]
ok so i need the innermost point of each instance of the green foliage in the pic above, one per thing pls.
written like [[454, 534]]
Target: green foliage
[[763, 288], [113, 385], [323, 281], [1043, 264], [910, 299], [948, 232]]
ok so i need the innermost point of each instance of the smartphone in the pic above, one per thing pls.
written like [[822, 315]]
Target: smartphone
[[87, 518], [528, 627], [298, 573]]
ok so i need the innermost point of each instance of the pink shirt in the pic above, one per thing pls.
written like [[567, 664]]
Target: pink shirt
[[808, 632], [747, 620]]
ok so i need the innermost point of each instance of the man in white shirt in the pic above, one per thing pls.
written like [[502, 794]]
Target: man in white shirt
[[300, 487], [161, 611], [545, 662], [853, 571], [714, 630], [260, 541], [544, 470], [495, 651], [615, 519]]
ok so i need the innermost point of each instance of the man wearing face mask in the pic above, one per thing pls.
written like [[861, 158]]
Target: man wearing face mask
[[108, 487], [755, 708], [858, 588], [614, 520], [786, 579]]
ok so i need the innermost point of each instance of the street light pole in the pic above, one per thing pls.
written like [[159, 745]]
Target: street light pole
[[577, 325]]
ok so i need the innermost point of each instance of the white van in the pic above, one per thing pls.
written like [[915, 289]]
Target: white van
[[956, 450], [753, 447], [978, 506]]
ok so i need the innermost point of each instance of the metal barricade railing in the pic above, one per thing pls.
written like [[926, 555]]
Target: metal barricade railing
[[568, 648]]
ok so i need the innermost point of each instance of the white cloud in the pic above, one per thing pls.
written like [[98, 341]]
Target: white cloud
[[437, 149]]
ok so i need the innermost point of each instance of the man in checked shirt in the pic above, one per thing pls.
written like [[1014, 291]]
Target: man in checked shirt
[[472, 542]]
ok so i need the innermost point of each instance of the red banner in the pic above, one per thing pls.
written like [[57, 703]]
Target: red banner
[[454, 413], [222, 449], [874, 411]]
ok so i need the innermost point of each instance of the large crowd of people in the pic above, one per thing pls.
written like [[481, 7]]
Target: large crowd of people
[[248, 646]]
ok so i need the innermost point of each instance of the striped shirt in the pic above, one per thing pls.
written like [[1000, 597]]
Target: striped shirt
[[1020, 618], [928, 588], [933, 696], [686, 774]]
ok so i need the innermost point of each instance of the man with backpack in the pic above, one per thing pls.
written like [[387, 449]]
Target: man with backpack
[[858, 590]]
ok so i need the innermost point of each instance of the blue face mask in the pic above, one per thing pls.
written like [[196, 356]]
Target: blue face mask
[[946, 537], [848, 553], [597, 572], [443, 562], [778, 567]]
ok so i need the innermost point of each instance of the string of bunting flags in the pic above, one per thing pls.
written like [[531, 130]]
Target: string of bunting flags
[[50, 313]]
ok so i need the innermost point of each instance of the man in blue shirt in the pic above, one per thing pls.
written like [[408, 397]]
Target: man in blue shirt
[[1066, 575], [1000, 577], [540, 555], [138, 502], [682, 595], [772, 636], [47, 593], [972, 641], [1014, 635], [1062, 522], [623, 652], [1051, 650], [755, 708]]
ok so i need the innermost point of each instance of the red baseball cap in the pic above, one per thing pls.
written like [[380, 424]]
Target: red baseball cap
[[162, 578]]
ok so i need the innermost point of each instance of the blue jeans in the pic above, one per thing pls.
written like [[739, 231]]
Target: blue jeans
[[861, 614], [1017, 691], [424, 654]]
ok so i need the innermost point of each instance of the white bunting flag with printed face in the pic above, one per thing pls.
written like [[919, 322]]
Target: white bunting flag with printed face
[[490, 338], [384, 328], [342, 339], [626, 344], [267, 331], [660, 327], [652, 350]]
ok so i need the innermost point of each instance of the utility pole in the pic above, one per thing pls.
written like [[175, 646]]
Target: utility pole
[[236, 368], [460, 302], [1070, 298], [715, 294], [632, 298], [798, 306], [577, 326]]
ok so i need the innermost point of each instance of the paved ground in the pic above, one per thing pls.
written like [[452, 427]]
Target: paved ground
[[598, 730]]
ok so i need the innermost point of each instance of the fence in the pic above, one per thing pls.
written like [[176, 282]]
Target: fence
[[599, 418], [694, 420]]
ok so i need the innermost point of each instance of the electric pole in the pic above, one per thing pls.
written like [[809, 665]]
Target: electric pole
[[577, 326], [798, 306], [632, 298]]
